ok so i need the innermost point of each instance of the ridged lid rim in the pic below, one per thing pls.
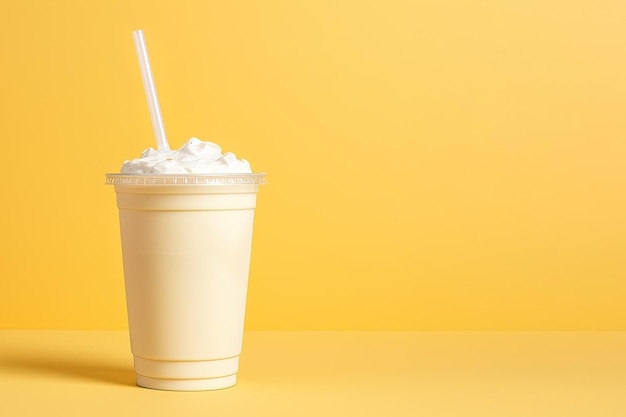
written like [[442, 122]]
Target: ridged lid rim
[[185, 179]]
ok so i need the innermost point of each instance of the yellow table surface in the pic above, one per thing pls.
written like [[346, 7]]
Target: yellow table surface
[[300, 373]]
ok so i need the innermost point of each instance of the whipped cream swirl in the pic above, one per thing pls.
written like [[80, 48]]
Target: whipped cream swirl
[[195, 156]]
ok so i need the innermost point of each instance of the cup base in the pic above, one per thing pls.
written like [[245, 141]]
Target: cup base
[[186, 375], [187, 384]]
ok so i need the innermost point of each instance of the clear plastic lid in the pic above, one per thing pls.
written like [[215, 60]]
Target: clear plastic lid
[[185, 179]]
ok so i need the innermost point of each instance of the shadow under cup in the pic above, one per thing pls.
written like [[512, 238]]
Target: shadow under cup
[[186, 242]]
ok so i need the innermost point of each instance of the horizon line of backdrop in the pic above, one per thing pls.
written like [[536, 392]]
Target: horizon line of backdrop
[[445, 164]]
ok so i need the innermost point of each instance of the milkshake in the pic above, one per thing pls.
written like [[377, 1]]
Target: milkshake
[[186, 220]]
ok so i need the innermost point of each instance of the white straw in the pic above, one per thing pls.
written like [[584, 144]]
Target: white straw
[[151, 94]]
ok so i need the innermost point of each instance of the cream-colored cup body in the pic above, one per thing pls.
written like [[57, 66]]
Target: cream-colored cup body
[[186, 252]]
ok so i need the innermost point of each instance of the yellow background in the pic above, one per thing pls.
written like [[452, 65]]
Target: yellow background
[[447, 164]]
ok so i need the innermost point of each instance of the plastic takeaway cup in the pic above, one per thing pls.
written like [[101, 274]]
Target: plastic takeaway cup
[[186, 242]]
